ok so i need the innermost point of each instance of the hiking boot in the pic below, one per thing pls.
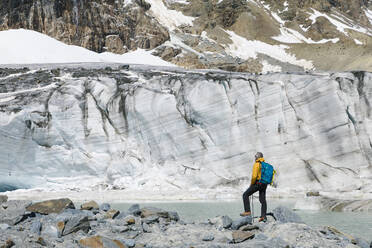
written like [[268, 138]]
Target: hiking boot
[[262, 219], [245, 214]]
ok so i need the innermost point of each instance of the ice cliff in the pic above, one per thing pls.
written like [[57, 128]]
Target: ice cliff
[[165, 128]]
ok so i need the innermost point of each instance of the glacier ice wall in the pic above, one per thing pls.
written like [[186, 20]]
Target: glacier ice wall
[[163, 129]]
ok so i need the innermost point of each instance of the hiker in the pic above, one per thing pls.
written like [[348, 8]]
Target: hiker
[[254, 187]]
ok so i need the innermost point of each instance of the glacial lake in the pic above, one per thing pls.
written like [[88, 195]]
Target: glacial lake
[[358, 224]]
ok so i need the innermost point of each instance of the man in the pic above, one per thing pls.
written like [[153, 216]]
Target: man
[[254, 187]]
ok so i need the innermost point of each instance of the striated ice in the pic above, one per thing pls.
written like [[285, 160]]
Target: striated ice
[[156, 129]]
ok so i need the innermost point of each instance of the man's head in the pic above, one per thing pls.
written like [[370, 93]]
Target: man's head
[[258, 155]]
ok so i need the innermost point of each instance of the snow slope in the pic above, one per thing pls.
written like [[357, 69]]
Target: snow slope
[[30, 47]]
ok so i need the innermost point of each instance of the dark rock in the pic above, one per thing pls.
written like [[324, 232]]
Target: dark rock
[[51, 206], [105, 207], [241, 222], [151, 219], [75, 224], [135, 210], [23, 217], [208, 237], [36, 227], [3, 198], [285, 215], [91, 205], [240, 236], [312, 193]]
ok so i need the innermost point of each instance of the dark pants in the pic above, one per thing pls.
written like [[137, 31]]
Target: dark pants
[[261, 188]]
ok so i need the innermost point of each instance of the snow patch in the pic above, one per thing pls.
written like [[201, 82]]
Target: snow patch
[[369, 15], [340, 25], [41, 48], [358, 42], [292, 36], [246, 49], [169, 18], [270, 68]]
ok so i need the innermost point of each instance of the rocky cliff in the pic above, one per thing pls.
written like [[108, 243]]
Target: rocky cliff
[[235, 35], [163, 129], [115, 26]]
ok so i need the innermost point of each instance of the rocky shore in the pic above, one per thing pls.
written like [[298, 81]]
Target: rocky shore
[[58, 223]]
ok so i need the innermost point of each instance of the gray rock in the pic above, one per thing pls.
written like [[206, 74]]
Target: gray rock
[[278, 242], [240, 236], [50, 230], [122, 215], [148, 211], [226, 221], [3, 198], [134, 210], [146, 228], [129, 242], [36, 227], [105, 207], [261, 236], [174, 216], [241, 222], [75, 224], [151, 219], [119, 229], [362, 243], [4, 226], [285, 215], [208, 237]]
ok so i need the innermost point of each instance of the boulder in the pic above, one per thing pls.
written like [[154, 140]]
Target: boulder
[[111, 214], [41, 241], [60, 228], [51, 206], [312, 193], [75, 224], [285, 215], [148, 211], [241, 236], [3, 198], [91, 205], [134, 210], [100, 242], [105, 207], [174, 216], [221, 222], [241, 222], [129, 220]]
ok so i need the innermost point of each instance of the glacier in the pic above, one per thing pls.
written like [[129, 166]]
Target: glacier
[[148, 128]]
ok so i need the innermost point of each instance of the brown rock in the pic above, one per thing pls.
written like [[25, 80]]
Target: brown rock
[[146, 212], [9, 243], [87, 23], [111, 214], [241, 236], [51, 206], [114, 44], [100, 242], [312, 193], [91, 205], [41, 241], [60, 228]]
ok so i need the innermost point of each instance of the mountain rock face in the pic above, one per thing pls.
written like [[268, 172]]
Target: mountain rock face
[[234, 35], [114, 26], [156, 128]]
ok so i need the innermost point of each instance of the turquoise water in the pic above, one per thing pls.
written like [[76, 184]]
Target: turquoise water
[[357, 224]]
